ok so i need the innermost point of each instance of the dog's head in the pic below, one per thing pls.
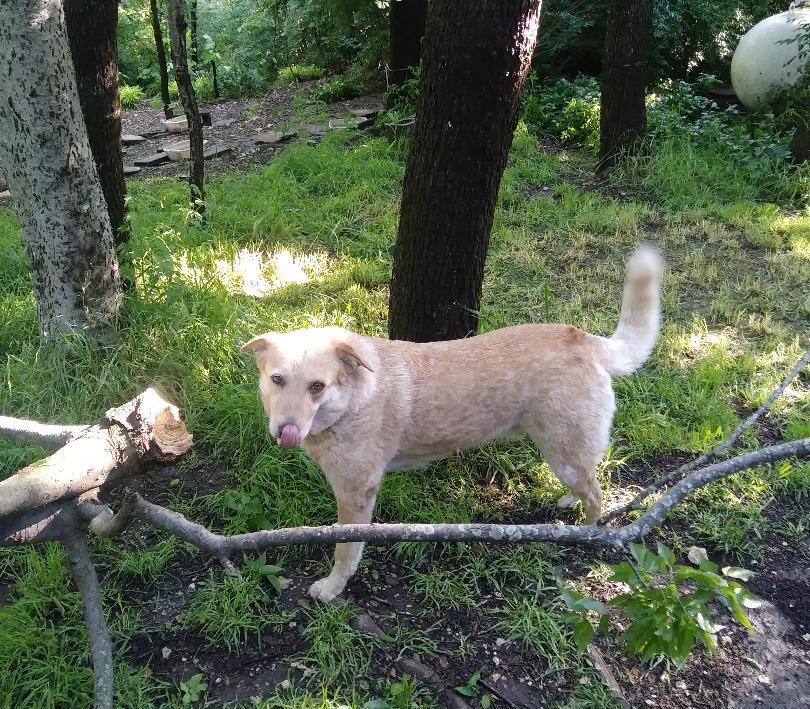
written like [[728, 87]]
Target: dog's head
[[308, 378]]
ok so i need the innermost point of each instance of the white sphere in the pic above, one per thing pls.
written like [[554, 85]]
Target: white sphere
[[762, 62]]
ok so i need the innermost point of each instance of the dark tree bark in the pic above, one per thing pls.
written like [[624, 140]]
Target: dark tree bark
[[92, 30], [800, 145], [177, 32], [624, 79], [161, 58], [192, 24], [406, 22], [214, 79], [472, 84]]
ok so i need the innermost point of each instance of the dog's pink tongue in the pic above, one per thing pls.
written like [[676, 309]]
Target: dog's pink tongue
[[290, 436]]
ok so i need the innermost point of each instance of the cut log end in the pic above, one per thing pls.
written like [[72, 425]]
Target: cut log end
[[170, 437], [160, 432]]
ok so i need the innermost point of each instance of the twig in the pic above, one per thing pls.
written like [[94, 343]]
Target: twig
[[100, 644], [25, 431], [223, 547], [711, 455], [494, 689], [102, 521], [607, 676]]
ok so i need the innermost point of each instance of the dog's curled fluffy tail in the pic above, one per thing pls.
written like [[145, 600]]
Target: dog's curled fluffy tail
[[632, 342]]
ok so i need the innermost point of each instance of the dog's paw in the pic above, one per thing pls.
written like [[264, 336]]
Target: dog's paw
[[326, 589], [567, 501]]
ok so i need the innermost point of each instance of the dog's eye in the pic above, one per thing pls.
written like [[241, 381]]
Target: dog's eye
[[316, 387], [277, 379]]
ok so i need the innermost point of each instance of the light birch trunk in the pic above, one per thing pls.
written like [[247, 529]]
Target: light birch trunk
[[51, 173]]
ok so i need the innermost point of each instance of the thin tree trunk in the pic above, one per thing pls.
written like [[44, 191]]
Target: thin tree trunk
[[52, 175], [177, 32], [214, 78], [406, 28], [624, 79], [800, 145], [161, 58], [92, 29], [192, 21], [472, 85]]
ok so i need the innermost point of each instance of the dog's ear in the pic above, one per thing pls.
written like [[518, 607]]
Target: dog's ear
[[347, 354], [260, 343]]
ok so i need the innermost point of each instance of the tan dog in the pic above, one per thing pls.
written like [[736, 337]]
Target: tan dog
[[361, 406]]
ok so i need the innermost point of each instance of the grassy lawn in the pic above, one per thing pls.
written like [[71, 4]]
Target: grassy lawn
[[308, 240]]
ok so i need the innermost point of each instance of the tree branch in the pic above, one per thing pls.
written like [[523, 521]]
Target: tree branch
[[711, 455], [223, 547], [101, 648], [25, 431]]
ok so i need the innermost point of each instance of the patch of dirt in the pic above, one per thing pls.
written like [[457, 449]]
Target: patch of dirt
[[235, 123]]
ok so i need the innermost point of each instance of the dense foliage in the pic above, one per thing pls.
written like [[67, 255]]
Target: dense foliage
[[689, 36], [685, 127], [255, 42]]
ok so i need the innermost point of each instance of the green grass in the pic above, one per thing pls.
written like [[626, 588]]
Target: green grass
[[535, 623], [131, 96], [232, 610], [308, 240], [300, 72]]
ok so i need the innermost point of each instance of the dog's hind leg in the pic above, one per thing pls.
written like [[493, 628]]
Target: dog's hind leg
[[573, 448]]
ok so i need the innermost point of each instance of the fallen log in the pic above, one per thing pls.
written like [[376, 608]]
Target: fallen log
[[54, 499], [146, 428]]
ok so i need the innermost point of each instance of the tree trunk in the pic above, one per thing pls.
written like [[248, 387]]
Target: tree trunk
[[800, 145], [406, 28], [51, 173], [624, 79], [472, 84], [161, 57], [92, 29], [177, 32], [192, 21], [214, 79]]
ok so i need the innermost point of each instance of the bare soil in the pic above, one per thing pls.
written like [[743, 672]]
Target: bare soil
[[235, 123]]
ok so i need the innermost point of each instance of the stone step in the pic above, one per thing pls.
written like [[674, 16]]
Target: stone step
[[152, 160], [273, 136], [216, 150]]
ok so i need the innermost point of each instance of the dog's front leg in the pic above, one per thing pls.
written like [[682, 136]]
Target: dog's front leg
[[353, 506]]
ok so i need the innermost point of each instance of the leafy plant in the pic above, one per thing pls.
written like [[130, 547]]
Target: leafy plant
[[469, 688], [403, 693], [259, 568], [247, 509], [193, 689], [667, 603], [131, 96]]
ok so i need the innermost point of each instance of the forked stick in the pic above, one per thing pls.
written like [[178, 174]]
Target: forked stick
[[711, 455]]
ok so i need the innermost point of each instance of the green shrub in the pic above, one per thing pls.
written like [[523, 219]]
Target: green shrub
[[300, 72], [667, 604], [402, 97], [566, 109], [338, 89], [203, 87], [131, 96]]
